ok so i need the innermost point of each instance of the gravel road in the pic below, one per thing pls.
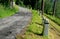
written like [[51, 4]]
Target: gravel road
[[13, 25]]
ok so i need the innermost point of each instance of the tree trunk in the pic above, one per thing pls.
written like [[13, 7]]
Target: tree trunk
[[41, 4], [11, 3], [36, 4], [42, 8], [54, 7]]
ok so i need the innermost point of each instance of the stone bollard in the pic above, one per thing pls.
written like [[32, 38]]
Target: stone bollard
[[46, 28]]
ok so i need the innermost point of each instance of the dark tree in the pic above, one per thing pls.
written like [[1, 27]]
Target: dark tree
[[42, 8], [11, 3], [54, 7]]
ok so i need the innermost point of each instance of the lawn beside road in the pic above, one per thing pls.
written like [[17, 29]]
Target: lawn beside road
[[6, 11]]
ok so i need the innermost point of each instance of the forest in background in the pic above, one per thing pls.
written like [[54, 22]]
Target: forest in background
[[37, 4]]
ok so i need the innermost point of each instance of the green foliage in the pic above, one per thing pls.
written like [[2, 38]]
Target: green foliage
[[58, 8], [5, 2], [48, 6], [38, 5]]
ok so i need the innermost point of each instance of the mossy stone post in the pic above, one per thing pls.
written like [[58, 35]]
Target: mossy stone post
[[46, 29]]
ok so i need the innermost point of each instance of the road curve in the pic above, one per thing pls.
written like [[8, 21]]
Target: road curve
[[13, 25]]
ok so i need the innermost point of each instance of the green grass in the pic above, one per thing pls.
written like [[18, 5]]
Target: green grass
[[34, 28], [53, 18], [5, 11]]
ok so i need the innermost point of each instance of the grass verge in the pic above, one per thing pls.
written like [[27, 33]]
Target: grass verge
[[34, 28], [5, 11], [53, 18]]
